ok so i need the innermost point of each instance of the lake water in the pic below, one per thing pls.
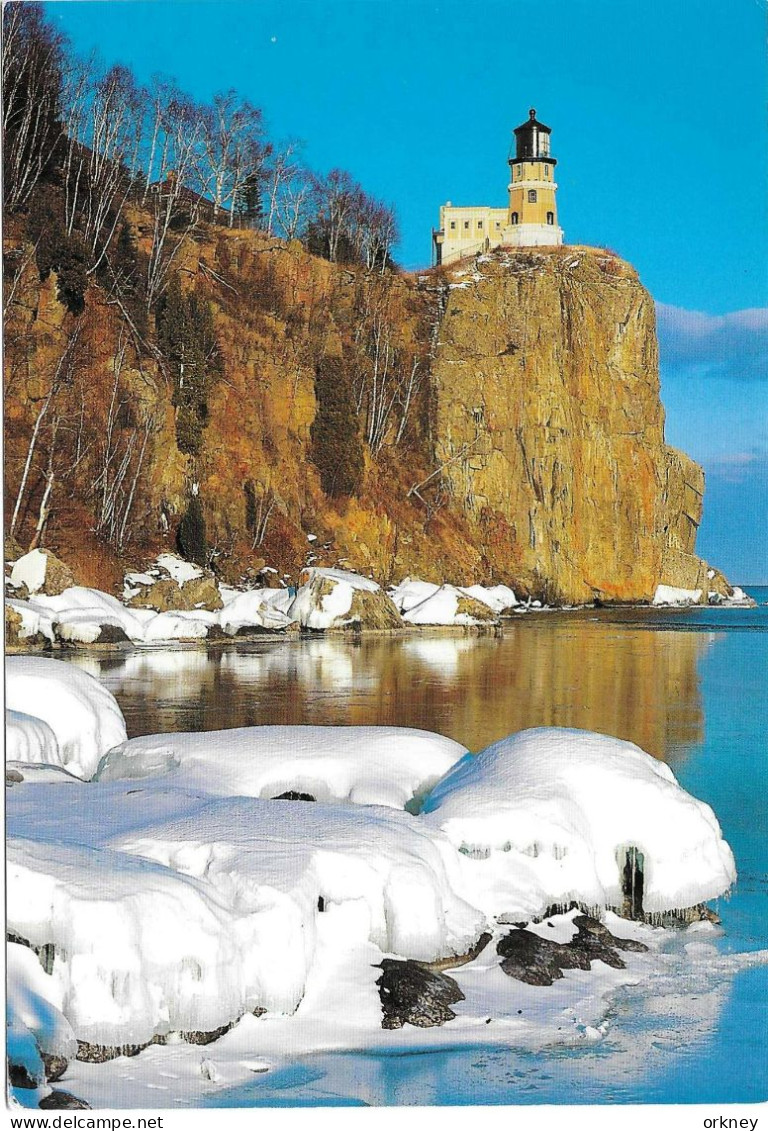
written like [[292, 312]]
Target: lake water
[[688, 686]]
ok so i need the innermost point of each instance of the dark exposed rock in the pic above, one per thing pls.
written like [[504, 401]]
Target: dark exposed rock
[[540, 961], [198, 1037], [598, 930], [534, 960], [59, 1099], [19, 1077], [411, 993], [294, 795], [100, 1054], [13, 777], [55, 1066]]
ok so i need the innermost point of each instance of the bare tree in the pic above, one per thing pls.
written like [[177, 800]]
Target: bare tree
[[32, 57], [175, 207], [232, 151]]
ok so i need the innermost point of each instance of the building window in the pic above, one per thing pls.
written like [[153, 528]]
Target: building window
[[532, 196], [514, 217], [453, 225], [479, 223], [546, 170], [466, 225], [498, 223], [550, 217]]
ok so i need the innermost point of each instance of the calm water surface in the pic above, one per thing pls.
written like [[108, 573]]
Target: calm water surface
[[690, 687]]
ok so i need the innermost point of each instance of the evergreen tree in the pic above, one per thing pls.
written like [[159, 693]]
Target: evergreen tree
[[191, 540], [337, 450], [187, 338]]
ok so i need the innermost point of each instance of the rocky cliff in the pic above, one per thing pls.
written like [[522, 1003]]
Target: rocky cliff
[[550, 430], [520, 430]]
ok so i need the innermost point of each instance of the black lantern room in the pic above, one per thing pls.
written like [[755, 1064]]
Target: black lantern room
[[532, 141]]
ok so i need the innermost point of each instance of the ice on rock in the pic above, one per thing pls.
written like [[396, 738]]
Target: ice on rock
[[138, 948], [366, 765], [188, 921], [82, 714], [549, 815], [671, 595], [34, 1012]]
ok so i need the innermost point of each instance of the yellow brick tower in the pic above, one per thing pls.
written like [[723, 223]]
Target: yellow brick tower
[[532, 219], [529, 221]]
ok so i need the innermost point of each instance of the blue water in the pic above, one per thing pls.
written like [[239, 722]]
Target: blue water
[[714, 1048]]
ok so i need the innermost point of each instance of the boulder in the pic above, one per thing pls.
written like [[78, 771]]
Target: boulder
[[167, 595], [477, 610], [411, 993], [334, 599], [57, 1099], [15, 637], [540, 961]]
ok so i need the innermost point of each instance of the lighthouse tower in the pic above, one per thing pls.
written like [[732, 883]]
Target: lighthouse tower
[[532, 216]]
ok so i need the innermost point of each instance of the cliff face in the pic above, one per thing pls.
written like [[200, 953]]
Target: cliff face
[[531, 451], [549, 427]]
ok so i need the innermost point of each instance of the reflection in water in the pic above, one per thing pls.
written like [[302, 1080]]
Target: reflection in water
[[573, 670]]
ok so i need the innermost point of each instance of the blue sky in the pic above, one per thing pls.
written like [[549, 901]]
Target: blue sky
[[657, 111]]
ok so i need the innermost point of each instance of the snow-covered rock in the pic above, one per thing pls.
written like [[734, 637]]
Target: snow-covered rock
[[367, 765], [422, 602], [81, 713], [337, 598], [189, 919], [499, 598], [670, 595], [550, 816], [256, 608], [40, 570]]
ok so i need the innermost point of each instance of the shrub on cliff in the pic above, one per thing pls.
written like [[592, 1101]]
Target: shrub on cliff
[[187, 338], [191, 538], [58, 251], [337, 450]]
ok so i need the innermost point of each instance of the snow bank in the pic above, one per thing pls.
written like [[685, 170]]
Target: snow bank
[[79, 614], [366, 765], [670, 595], [29, 739], [83, 715], [547, 816]]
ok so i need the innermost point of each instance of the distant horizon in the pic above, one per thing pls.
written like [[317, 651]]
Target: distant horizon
[[381, 90]]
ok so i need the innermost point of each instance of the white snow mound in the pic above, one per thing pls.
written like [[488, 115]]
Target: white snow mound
[[82, 714], [366, 765], [548, 815]]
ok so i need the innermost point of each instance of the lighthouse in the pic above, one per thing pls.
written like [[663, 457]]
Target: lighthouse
[[532, 219], [529, 220]]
